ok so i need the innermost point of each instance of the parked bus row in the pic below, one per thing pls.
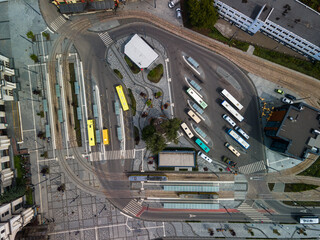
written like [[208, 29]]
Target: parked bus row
[[200, 143]]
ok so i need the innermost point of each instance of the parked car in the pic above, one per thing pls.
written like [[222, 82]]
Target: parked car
[[173, 3], [178, 12], [291, 97], [286, 100], [229, 120], [279, 91]]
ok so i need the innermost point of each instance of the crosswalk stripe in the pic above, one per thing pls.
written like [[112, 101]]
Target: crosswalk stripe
[[105, 37], [252, 213], [117, 154], [253, 167], [57, 23], [133, 207]]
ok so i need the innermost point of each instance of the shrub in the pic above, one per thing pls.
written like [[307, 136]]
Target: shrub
[[31, 36], [34, 58], [46, 35], [133, 67], [156, 74], [118, 73]]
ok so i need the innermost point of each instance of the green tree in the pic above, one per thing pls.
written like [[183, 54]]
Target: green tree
[[171, 127], [156, 143], [147, 132], [202, 13]]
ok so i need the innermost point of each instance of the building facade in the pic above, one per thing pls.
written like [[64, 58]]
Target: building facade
[[259, 20], [13, 217], [7, 86]]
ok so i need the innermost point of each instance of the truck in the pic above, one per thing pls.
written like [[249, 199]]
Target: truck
[[173, 3]]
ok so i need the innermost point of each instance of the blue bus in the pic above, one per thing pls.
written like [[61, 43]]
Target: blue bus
[[202, 145], [239, 139]]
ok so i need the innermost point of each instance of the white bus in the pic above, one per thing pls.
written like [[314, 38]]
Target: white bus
[[194, 116], [197, 98], [239, 139], [309, 220], [185, 128], [231, 99], [232, 111], [232, 149]]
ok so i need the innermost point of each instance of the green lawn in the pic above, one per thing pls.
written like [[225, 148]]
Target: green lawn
[[133, 102], [298, 187], [75, 104], [118, 73], [133, 67], [20, 171], [303, 66], [29, 196], [156, 74], [313, 170]]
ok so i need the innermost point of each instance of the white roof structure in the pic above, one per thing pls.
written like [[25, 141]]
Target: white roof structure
[[140, 52], [176, 159]]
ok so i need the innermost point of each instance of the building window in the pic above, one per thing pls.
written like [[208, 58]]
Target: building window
[[17, 207], [5, 214]]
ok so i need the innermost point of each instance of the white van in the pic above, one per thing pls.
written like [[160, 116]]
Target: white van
[[205, 157], [229, 120], [315, 131]]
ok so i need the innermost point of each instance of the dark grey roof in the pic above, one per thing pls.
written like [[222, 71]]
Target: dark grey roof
[[101, 5], [72, 8], [299, 19]]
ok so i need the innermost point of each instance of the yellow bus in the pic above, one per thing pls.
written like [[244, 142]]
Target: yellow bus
[[105, 135], [92, 140], [122, 98]]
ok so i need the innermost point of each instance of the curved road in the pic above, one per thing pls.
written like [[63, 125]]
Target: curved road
[[89, 46]]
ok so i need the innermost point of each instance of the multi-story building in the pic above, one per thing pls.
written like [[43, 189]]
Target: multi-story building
[[294, 130], [289, 22], [6, 94], [13, 217]]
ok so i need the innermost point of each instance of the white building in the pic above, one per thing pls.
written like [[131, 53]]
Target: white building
[[13, 217], [140, 52], [6, 94], [262, 15]]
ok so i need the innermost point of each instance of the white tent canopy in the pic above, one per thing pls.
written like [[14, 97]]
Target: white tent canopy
[[140, 52]]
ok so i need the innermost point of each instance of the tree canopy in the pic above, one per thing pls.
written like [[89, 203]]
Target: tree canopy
[[156, 141], [202, 13]]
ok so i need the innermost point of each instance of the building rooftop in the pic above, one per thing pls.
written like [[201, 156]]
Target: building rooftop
[[289, 14], [177, 159], [297, 128], [140, 52]]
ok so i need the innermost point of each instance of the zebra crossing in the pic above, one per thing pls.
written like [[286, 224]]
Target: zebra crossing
[[119, 154], [105, 38], [133, 207], [57, 23], [253, 167], [253, 213]]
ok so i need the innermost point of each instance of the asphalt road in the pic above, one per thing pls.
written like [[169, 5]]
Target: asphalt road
[[212, 83], [89, 46]]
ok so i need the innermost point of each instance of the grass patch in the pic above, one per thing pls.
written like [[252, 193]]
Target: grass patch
[[118, 73], [303, 66], [133, 67], [133, 104], [20, 171], [156, 74], [75, 104], [313, 170], [29, 196], [271, 185], [298, 187], [136, 135], [302, 203], [314, 4]]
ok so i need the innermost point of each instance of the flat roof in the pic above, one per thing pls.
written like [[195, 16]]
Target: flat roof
[[299, 130], [299, 19], [177, 159], [140, 52]]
